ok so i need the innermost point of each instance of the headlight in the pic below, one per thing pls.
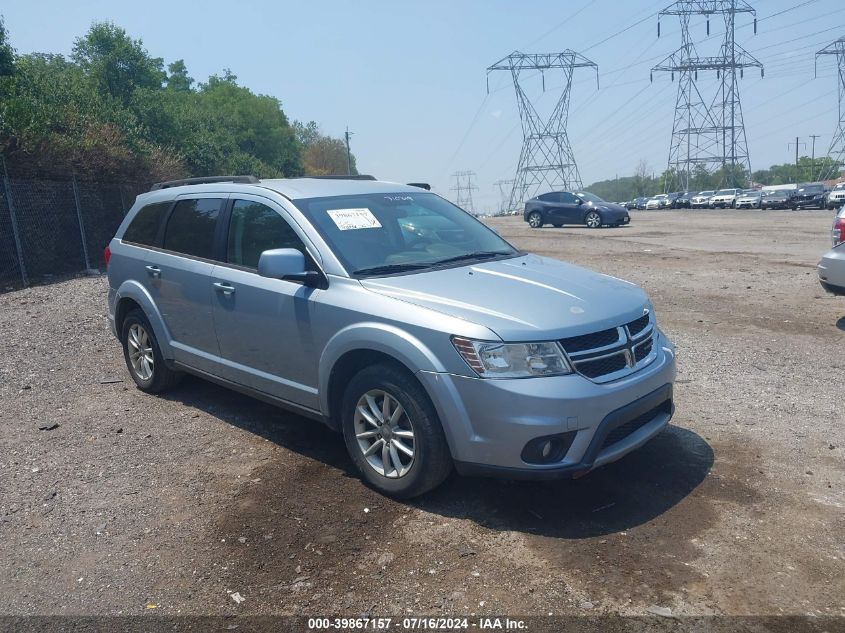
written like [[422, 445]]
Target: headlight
[[512, 360]]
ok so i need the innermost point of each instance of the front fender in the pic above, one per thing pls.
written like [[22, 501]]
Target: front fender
[[131, 289], [379, 337]]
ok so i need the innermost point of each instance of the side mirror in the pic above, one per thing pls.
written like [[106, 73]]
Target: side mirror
[[579, 202], [287, 264]]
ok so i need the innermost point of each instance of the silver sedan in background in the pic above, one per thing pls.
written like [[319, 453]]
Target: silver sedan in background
[[831, 268]]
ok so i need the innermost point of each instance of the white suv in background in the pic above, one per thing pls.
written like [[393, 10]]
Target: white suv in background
[[836, 197], [724, 198]]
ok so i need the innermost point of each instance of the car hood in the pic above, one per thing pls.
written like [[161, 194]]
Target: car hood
[[609, 206], [521, 299]]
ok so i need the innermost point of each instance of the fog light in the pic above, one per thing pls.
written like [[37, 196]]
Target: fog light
[[548, 449]]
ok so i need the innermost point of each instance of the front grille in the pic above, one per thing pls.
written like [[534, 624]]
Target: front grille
[[614, 352], [643, 350], [621, 432], [635, 327], [602, 366], [576, 344]]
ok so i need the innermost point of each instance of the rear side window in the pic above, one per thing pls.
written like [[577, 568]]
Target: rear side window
[[191, 227], [144, 227], [255, 228]]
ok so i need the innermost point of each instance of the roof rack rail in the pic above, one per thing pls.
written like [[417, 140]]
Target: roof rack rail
[[421, 185], [204, 180], [347, 177]]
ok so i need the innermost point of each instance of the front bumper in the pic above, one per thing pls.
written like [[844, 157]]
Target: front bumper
[[808, 202], [488, 422]]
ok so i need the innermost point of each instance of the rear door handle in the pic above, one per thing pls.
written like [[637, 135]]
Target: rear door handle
[[154, 271], [225, 288]]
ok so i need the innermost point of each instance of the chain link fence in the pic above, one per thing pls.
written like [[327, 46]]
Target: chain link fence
[[51, 227]]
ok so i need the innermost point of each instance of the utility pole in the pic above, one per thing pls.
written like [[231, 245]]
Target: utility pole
[[348, 153], [546, 161], [813, 158], [796, 143], [708, 132]]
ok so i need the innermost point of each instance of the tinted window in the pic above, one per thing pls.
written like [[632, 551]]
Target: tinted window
[[255, 228], [549, 197], [190, 229], [144, 227], [568, 198]]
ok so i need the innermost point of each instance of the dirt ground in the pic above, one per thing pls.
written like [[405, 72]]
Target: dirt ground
[[116, 502]]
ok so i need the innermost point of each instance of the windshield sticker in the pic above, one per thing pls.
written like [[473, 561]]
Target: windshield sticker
[[352, 219]]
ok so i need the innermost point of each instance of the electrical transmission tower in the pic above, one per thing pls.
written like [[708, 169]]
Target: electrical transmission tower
[[463, 190], [504, 197], [708, 134], [546, 161], [836, 151]]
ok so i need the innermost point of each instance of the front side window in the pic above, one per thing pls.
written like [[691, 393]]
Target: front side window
[[190, 229], [568, 198], [255, 228], [144, 226], [384, 233]]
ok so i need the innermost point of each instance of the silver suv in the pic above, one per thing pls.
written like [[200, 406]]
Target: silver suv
[[393, 316]]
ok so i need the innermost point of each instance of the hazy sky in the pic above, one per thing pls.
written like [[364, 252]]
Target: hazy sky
[[408, 78]]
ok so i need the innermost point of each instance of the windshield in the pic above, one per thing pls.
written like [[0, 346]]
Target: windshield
[[591, 197], [780, 193], [811, 188], [726, 192], [375, 234], [839, 187], [705, 193]]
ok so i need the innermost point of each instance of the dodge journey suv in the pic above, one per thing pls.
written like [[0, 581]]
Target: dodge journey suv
[[394, 317]]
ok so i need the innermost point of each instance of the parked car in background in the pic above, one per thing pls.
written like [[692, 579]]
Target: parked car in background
[[683, 200], [809, 196], [660, 201], [836, 196], [427, 355], [776, 199], [748, 199], [701, 199], [566, 207], [631, 204], [723, 198], [641, 202], [831, 268]]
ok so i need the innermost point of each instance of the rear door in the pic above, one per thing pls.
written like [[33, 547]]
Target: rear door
[[264, 326], [179, 276]]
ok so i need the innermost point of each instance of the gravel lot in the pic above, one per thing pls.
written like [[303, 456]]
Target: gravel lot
[[115, 502]]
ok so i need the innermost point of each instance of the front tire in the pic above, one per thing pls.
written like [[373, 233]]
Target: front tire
[[392, 432], [535, 220], [593, 220], [143, 355]]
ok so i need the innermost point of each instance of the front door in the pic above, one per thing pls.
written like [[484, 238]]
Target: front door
[[264, 326]]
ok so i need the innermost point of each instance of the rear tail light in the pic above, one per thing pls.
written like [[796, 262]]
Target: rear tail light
[[838, 232], [106, 255]]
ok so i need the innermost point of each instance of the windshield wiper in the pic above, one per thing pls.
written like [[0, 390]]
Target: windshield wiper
[[389, 268], [475, 255]]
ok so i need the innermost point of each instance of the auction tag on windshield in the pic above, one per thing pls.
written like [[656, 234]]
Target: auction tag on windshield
[[351, 219]]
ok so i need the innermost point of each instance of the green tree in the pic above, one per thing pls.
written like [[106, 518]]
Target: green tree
[[117, 63], [7, 53], [178, 78]]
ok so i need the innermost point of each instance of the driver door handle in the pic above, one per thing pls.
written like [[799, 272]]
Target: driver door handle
[[225, 288], [153, 271]]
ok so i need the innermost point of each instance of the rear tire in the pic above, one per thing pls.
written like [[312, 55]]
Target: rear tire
[[370, 423], [143, 355]]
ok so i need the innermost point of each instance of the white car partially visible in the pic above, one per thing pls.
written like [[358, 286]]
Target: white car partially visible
[[831, 268]]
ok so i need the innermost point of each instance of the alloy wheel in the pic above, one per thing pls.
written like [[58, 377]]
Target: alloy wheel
[[593, 220], [534, 220], [384, 433], [140, 352]]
